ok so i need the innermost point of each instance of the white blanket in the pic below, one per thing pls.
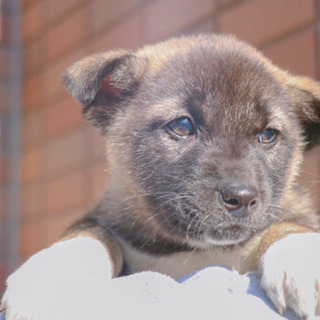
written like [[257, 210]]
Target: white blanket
[[213, 293]]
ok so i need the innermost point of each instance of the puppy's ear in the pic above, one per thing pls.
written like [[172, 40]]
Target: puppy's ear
[[305, 94], [104, 82]]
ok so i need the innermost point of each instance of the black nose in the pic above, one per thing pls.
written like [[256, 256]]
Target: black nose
[[240, 199]]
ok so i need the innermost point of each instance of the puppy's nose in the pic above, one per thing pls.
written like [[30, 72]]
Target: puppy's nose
[[240, 199]]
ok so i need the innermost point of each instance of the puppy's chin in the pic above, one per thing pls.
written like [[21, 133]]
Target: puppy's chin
[[232, 235], [228, 236], [208, 241]]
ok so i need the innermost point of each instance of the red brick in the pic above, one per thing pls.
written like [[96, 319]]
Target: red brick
[[32, 127], [33, 21], [32, 197], [118, 37], [3, 277], [66, 153], [97, 172], [96, 143], [62, 116], [260, 21], [33, 56], [166, 17], [3, 243], [31, 238], [4, 29], [106, 13], [55, 11], [99, 180], [4, 97], [3, 169], [296, 53], [33, 88], [4, 63], [225, 3], [67, 34], [32, 165], [55, 227], [3, 206], [204, 27], [53, 88], [64, 193], [28, 3]]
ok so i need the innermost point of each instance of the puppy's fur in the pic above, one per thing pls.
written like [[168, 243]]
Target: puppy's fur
[[204, 138]]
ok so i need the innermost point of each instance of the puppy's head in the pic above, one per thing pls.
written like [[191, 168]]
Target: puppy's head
[[204, 129]]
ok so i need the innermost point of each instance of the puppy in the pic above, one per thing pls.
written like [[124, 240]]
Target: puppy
[[204, 137]]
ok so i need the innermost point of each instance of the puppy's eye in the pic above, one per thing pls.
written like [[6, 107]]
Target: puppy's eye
[[182, 127], [268, 136]]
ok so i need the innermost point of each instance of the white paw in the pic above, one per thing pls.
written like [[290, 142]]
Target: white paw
[[61, 282], [291, 274]]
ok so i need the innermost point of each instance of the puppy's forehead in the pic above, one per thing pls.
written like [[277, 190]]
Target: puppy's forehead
[[213, 81], [227, 75]]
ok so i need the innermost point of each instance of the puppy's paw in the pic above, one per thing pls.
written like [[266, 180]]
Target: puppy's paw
[[60, 282], [291, 274]]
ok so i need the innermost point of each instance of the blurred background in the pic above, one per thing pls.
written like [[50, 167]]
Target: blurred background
[[51, 161]]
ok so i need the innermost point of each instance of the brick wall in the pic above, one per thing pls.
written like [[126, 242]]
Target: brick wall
[[4, 74], [62, 158], [10, 79], [9, 136]]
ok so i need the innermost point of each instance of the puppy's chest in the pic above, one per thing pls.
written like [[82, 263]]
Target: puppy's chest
[[242, 258]]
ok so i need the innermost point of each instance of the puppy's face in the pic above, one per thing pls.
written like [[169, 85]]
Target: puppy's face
[[204, 129]]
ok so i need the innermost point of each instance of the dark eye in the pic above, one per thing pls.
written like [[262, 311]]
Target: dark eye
[[182, 127], [268, 136]]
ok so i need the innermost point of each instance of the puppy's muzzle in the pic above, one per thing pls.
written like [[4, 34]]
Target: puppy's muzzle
[[240, 199]]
